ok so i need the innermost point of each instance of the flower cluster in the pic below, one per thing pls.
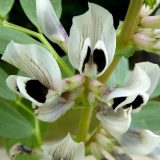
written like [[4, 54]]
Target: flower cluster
[[91, 49]]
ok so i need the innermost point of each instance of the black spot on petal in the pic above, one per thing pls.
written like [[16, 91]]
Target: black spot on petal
[[86, 60], [117, 101], [36, 90], [17, 89], [136, 103], [99, 59]]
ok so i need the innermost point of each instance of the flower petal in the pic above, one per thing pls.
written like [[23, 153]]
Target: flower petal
[[138, 83], [133, 93], [37, 62], [117, 123], [53, 109], [102, 36], [153, 72], [140, 142], [65, 149], [31, 89], [50, 23]]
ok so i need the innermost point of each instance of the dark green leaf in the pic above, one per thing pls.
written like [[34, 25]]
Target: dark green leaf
[[7, 35], [5, 7], [5, 92], [148, 117], [150, 3], [29, 8], [120, 75], [12, 123]]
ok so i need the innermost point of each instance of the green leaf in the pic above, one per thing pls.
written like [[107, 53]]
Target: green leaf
[[12, 123], [5, 92], [148, 117], [29, 8], [150, 3], [120, 75], [7, 35], [5, 7]]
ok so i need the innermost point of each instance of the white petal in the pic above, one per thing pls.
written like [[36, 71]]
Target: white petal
[[54, 109], [153, 72], [65, 149], [138, 83], [97, 24], [36, 61], [34, 91], [12, 83], [50, 23], [117, 123], [140, 142]]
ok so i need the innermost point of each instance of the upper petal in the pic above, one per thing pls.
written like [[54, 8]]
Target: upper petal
[[37, 62], [50, 23], [153, 72], [65, 149], [138, 83], [97, 24]]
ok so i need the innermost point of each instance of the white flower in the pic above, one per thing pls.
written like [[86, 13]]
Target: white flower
[[129, 98], [141, 142], [92, 37], [136, 92], [45, 88], [66, 149]]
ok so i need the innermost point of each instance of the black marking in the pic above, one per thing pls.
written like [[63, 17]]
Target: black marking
[[117, 101], [86, 60], [136, 103], [36, 90], [17, 89], [99, 59]]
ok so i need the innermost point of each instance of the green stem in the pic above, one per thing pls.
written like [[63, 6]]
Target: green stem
[[62, 64], [86, 116], [37, 131], [37, 127], [126, 34]]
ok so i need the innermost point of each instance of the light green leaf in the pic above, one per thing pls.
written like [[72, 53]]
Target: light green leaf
[[7, 34], [5, 92], [5, 7], [148, 117], [12, 123], [120, 75], [29, 8]]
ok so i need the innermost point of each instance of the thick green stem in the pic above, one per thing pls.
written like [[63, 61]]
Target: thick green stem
[[85, 123], [86, 115], [126, 34], [63, 65]]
